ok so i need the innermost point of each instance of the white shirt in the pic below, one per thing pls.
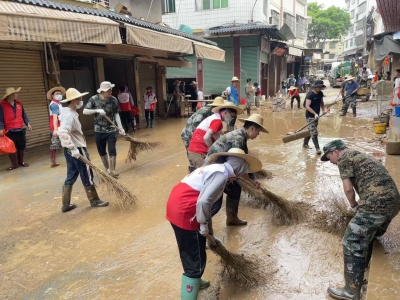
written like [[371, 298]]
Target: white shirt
[[70, 130], [148, 99]]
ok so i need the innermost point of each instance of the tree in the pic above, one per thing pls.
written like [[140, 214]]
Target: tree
[[330, 23]]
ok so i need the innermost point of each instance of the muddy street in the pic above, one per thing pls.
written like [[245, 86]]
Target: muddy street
[[105, 253]]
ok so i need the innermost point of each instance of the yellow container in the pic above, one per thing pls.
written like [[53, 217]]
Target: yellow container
[[380, 128]]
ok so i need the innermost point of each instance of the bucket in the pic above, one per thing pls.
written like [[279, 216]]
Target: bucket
[[380, 128]]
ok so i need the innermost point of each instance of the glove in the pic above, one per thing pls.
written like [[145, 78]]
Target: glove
[[354, 208], [101, 111], [316, 117], [203, 229], [122, 132], [75, 153]]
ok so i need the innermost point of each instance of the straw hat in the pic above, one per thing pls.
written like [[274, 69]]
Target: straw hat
[[292, 88], [176, 82], [105, 86], [230, 105], [72, 94], [254, 163], [258, 119], [350, 78], [10, 91], [217, 102], [291, 75], [193, 83], [57, 88], [234, 78]]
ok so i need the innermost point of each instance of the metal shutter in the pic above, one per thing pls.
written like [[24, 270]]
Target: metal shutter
[[249, 63], [218, 74], [184, 72], [147, 77], [23, 68]]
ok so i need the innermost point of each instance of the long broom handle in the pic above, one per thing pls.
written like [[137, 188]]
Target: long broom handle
[[111, 122], [334, 102], [211, 240]]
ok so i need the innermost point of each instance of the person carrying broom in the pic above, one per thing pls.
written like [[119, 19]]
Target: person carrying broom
[[379, 203], [194, 121], [74, 143], [189, 212], [253, 125], [104, 104]]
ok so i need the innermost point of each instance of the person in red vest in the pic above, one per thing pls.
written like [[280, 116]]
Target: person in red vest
[[293, 93], [126, 103], [55, 95], [12, 119]]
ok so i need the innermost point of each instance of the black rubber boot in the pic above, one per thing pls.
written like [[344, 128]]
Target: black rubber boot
[[66, 199], [94, 198], [353, 275], [305, 142], [354, 111], [248, 111], [316, 144], [232, 208]]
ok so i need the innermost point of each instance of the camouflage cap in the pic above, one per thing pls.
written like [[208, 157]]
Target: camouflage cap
[[334, 145]]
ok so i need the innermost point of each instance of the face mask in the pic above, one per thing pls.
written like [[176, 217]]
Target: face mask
[[228, 117], [79, 105], [58, 97]]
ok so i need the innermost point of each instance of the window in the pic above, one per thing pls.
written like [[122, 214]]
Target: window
[[331, 56], [362, 7], [214, 4], [321, 45], [289, 20], [360, 40], [106, 2], [352, 14], [351, 29], [274, 17], [168, 6], [301, 27], [353, 1], [332, 45]]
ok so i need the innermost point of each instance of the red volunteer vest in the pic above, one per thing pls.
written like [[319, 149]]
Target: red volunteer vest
[[12, 121]]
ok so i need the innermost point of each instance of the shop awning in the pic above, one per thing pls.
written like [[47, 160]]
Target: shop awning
[[208, 51], [152, 39], [295, 52], [20, 22]]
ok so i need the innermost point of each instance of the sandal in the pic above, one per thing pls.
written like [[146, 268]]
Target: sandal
[[12, 168], [24, 165]]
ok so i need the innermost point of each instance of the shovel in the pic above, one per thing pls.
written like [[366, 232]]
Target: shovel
[[300, 133]]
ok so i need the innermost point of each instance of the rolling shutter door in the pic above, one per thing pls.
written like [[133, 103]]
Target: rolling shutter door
[[147, 77], [180, 73], [249, 63], [22, 68], [217, 74]]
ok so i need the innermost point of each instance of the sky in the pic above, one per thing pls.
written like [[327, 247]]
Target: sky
[[327, 3]]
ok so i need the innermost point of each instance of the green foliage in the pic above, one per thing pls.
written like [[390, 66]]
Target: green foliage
[[330, 23]]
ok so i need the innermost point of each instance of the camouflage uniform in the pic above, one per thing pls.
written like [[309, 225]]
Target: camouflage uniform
[[110, 106], [191, 126], [248, 95], [379, 200], [313, 127], [352, 102]]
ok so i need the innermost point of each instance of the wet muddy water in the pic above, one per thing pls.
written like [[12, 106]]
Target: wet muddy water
[[105, 253]]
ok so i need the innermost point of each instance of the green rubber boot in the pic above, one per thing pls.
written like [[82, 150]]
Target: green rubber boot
[[204, 283], [190, 288]]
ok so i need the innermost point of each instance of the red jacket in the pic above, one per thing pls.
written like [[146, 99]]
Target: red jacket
[[10, 120]]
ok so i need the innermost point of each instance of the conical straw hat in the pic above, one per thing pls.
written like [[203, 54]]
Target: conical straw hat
[[254, 163], [10, 91], [230, 105], [72, 94], [217, 102], [258, 119]]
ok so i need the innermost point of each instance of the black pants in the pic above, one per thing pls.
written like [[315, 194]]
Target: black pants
[[149, 114], [192, 251], [232, 190], [126, 119], [75, 168], [194, 104], [298, 101], [102, 139], [18, 137]]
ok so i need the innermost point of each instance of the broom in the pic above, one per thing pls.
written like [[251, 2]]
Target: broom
[[263, 174], [124, 197], [245, 270], [285, 212], [135, 145]]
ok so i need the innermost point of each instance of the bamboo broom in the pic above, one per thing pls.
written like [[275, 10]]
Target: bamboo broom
[[285, 212], [245, 270], [135, 145], [124, 197]]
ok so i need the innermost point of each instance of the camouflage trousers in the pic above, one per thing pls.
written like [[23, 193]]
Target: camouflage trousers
[[352, 102], [248, 101], [312, 127], [363, 228], [55, 143]]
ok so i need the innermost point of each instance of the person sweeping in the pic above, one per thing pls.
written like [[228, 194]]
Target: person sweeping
[[293, 93], [350, 93], [236, 139], [314, 102], [209, 131], [105, 134], [74, 143], [189, 212], [379, 203], [194, 121]]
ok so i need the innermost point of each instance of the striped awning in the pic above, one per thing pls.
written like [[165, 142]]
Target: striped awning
[[152, 39], [208, 51], [20, 22]]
